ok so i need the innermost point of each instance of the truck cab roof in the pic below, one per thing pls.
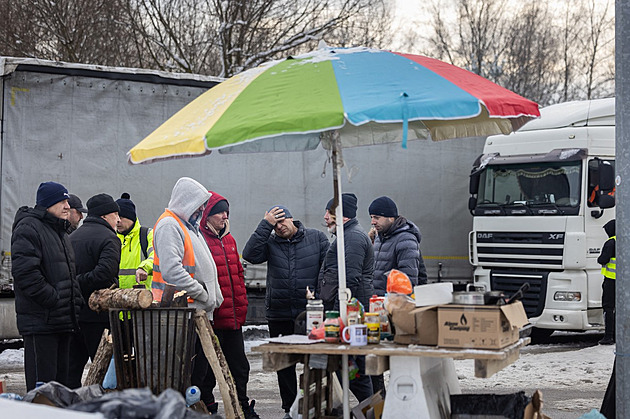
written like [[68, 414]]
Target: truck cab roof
[[588, 125], [597, 112]]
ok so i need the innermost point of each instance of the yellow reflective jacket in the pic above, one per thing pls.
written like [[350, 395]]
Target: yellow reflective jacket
[[131, 258]]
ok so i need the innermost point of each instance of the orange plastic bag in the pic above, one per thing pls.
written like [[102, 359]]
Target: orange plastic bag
[[399, 282]]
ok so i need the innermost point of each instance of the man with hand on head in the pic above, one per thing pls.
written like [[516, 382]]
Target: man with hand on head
[[294, 255], [47, 294], [97, 251]]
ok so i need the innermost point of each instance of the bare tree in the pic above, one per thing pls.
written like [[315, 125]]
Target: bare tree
[[531, 54], [597, 44], [223, 37], [89, 31]]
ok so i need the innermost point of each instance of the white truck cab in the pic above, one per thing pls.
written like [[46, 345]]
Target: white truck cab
[[539, 200]]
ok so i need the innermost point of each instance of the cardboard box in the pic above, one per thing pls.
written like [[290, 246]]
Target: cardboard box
[[416, 326], [476, 326]]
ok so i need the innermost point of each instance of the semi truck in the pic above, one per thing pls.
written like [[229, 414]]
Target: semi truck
[[539, 199], [74, 123]]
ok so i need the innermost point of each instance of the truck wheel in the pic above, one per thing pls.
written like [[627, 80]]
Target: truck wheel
[[540, 335]]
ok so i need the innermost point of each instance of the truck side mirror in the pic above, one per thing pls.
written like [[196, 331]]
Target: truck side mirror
[[473, 186], [606, 176], [472, 203], [606, 201]]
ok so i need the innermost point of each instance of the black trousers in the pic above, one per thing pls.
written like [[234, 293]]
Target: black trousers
[[287, 379], [608, 304], [83, 346], [233, 348], [46, 358]]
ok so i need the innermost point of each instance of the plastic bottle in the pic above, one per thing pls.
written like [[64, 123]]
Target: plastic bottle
[[10, 396], [193, 395]]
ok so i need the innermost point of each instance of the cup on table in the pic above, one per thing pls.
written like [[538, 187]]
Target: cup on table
[[355, 334]]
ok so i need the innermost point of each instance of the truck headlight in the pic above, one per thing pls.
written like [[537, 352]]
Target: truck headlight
[[567, 296]]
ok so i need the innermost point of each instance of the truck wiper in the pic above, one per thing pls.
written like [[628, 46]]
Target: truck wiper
[[546, 204]]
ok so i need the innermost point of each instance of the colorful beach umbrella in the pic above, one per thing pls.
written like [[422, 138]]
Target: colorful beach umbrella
[[364, 94], [339, 98]]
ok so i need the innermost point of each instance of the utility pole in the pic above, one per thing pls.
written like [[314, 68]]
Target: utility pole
[[622, 169]]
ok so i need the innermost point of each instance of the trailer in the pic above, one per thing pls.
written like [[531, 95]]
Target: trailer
[[74, 123]]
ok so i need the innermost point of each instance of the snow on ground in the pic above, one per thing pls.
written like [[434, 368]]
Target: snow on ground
[[547, 366], [12, 358]]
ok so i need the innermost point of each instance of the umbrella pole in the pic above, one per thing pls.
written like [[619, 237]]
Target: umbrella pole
[[341, 263]]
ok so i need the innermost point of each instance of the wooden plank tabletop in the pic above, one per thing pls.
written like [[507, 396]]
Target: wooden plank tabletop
[[392, 349]]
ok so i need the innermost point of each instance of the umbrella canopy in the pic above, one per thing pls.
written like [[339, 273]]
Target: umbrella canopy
[[363, 93]]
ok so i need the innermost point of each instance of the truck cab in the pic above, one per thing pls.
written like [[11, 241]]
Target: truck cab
[[539, 199]]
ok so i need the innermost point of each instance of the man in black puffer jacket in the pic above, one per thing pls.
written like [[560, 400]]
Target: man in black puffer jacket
[[396, 245], [294, 255], [97, 250], [47, 294]]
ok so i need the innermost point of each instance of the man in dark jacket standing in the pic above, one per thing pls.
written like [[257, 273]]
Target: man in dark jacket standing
[[47, 294], [230, 317], [396, 245], [97, 250], [359, 258], [608, 260], [294, 255]]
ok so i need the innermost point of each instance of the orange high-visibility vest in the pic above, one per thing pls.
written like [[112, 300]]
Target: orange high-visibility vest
[[188, 261]]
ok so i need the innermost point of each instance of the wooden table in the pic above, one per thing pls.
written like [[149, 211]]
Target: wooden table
[[422, 378]]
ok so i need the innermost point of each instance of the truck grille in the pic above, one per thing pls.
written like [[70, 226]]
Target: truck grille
[[520, 250], [509, 281]]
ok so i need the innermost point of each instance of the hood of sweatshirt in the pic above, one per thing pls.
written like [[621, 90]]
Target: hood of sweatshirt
[[187, 196]]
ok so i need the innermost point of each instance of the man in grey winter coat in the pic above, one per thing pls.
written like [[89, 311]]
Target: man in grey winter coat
[[294, 255], [187, 203], [396, 245], [359, 267]]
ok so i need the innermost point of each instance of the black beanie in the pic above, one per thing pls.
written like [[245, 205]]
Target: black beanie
[[384, 207], [49, 193], [349, 204], [101, 204], [127, 207], [220, 206]]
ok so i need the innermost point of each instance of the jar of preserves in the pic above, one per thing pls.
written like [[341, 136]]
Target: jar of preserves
[[373, 323], [331, 327]]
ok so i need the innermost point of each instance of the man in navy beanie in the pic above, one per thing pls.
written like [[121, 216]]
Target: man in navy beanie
[[47, 294], [97, 250], [396, 245]]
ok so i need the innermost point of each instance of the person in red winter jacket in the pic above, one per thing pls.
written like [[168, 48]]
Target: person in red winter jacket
[[230, 316]]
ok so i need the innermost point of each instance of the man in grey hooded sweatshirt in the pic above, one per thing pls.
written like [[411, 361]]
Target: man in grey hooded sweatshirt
[[192, 270], [195, 272]]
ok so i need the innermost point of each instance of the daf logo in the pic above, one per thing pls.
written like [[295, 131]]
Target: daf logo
[[484, 235], [557, 236]]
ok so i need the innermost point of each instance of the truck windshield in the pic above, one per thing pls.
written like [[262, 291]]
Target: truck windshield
[[549, 188]]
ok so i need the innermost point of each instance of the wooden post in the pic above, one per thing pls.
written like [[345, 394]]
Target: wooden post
[[101, 361], [216, 359]]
